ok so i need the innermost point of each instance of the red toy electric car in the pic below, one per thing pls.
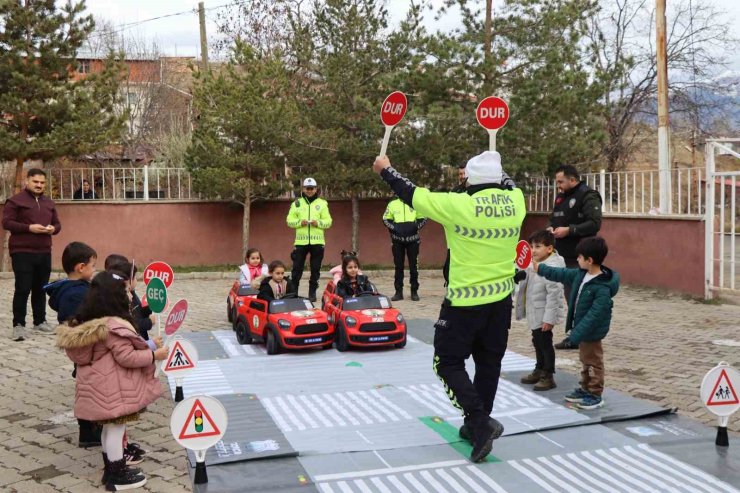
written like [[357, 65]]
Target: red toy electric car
[[367, 320], [288, 323], [238, 292]]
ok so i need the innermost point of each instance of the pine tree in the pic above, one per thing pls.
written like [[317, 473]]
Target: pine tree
[[46, 113], [236, 150]]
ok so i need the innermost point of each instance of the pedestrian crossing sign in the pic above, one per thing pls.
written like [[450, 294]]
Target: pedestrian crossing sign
[[182, 359]]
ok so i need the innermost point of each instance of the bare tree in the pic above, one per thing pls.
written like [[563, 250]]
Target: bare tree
[[622, 50]]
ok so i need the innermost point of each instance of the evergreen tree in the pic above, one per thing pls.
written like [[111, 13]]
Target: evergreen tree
[[236, 149], [46, 113]]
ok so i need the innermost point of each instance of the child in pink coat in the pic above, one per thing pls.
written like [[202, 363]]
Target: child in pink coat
[[115, 371], [336, 271]]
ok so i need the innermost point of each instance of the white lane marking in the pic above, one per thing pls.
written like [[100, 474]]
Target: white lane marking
[[374, 472]]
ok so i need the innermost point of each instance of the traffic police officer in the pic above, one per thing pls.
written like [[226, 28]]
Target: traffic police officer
[[309, 216], [404, 224], [482, 228]]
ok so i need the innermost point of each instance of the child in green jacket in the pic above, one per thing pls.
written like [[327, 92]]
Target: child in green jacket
[[592, 288]]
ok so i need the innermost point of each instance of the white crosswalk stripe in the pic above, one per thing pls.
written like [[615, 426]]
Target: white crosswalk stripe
[[516, 362], [338, 409], [423, 480], [206, 378], [618, 469], [508, 396], [227, 339]]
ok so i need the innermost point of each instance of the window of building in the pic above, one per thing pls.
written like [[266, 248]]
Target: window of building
[[83, 66]]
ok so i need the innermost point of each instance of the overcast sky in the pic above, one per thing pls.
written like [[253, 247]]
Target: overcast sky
[[178, 35]]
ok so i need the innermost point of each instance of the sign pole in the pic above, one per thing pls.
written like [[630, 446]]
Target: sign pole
[[492, 140], [178, 390], [386, 138], [723, 440], [159, 325], [201, 475]]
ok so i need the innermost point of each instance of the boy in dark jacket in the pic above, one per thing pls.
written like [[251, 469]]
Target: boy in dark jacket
[[592, 288], [65, 297]]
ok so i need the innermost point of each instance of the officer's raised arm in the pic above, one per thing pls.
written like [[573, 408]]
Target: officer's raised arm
[[400, 185]]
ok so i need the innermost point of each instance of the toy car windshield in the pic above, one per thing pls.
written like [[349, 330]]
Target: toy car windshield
[[290, 304], [364, 302], [246, 290]]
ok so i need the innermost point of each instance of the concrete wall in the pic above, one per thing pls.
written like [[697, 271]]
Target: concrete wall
[[651, 251]]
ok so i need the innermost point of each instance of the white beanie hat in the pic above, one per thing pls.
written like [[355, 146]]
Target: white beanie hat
[[484, 168]]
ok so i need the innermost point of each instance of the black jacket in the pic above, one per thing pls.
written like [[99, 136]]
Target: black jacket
[[346, 289], [65, 297], [265, 291], [579, 209], [141, 316]]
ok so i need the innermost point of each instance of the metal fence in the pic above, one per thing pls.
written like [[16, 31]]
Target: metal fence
[[627, 192], [145, 183], [722, 223]]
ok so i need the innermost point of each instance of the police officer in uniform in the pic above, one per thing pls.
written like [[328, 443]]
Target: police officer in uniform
[[309, 216], [404, 224], [576, 215], [482, 228]]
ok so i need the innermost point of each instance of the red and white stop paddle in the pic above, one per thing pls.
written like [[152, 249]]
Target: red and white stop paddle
[[391, 114], [523, 254], [492, 114]]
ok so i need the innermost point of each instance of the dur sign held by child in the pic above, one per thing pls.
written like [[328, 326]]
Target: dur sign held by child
[[540, 302]]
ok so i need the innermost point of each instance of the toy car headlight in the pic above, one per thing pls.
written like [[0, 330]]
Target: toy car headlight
[[284, 324], [399, 318], [351, 322], [240, 303]]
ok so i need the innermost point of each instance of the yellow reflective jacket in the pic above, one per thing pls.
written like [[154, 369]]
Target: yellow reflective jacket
[[303, 210], [482, 231]]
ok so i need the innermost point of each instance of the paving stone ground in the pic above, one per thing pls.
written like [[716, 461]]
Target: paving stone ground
[[659, 347]]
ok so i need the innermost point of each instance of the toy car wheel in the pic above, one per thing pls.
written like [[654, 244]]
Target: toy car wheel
[[229, 312], [340, 338], [242, 333], [234, 317], [401, 344], [273, 344]]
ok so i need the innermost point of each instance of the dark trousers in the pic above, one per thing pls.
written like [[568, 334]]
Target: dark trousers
[[570, 263], [32, 271], [542, 342], [299, 261], [483, 332], [401, 251]]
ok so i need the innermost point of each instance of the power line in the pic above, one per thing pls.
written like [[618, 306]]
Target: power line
[[127, 26]]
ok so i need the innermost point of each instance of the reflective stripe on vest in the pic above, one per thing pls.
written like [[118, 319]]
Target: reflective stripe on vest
[[468, 292], [487, 233]]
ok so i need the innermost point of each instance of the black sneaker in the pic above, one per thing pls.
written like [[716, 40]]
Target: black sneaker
[[566, 344], [132, 458], [483, 437], [414, 296], [398, 296], [312, 296], [135, 448], [106, 469]]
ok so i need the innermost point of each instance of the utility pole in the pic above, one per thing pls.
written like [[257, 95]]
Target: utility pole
[[664, 154], [203, 39], [487, 45]]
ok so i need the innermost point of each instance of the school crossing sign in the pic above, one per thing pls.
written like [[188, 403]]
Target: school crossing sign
[[719, 390]]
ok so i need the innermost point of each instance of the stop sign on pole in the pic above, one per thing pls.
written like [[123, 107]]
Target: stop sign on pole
[[392, 112], [523, 254], [160, 270], [176, 317], [492, 114]]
